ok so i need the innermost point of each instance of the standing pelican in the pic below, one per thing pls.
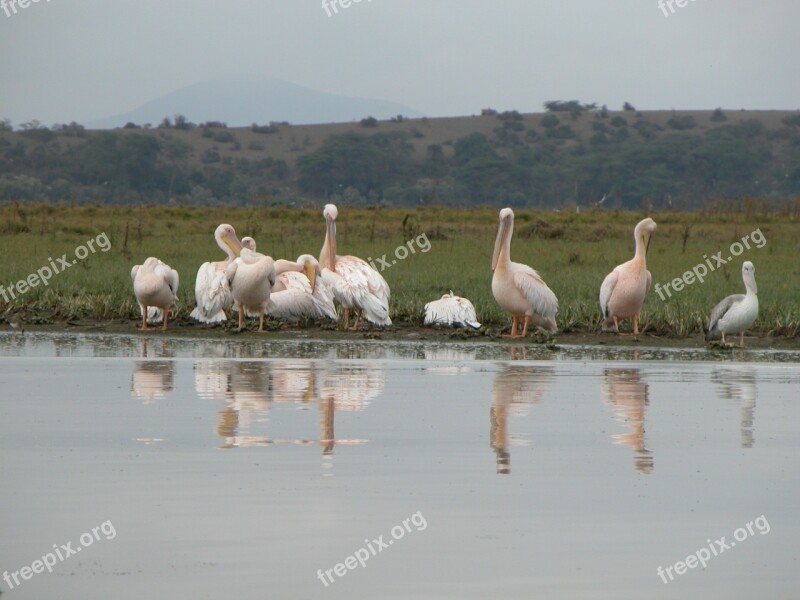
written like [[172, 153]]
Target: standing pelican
[[251, 277], [155, 285], [737, 312], [623, 290], [451, 310], [353, 282], [518, 288], [212, 290], [300, 292]]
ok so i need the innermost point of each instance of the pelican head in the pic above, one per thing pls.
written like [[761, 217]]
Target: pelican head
[[644, 230], [749, 276], [310, 268], [249, 243], [226, 239], [503, 235]]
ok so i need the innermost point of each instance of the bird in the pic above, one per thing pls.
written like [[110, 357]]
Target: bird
[[623, 290], [212, 291], [155, 285], [737, 312], [517, 287], [300, 292], [354, 284], [451, 310], [251, 277]]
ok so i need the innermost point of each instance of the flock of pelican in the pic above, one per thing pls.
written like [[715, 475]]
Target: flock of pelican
[[254, 284]]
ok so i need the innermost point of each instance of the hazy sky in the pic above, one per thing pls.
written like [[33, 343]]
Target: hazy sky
[[64, 60]]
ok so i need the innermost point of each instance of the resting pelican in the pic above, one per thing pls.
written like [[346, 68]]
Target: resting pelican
[[155, 285], [251, 277], [212, 290], [623, 290], [300, 292], [353, 282], [737, 312], [451, 310], [518, 288]]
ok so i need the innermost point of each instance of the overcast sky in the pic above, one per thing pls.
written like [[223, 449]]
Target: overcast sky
[[80, 60]]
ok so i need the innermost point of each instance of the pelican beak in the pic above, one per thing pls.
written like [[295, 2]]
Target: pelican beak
[[311, 273], [232, 242], [332, 245], [498, 243], [647, 238]]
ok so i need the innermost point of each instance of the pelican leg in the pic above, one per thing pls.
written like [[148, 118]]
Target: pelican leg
[[241, 316], [144, 317], [723, 338], [166, 313], [741, 339], [616, 323], [346, 318], [635, 324], [261, 321], [514, 322], [525, 327], [359, 316]]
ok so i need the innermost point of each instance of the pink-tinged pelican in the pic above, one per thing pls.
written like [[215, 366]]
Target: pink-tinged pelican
[[155, 285], [352, 281], [737, 312], [518, 288], [451, 310], [212, 291], [300, 292], [623, 290], [251, 277]]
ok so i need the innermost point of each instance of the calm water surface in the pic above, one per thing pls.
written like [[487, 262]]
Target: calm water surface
[[249, 469]]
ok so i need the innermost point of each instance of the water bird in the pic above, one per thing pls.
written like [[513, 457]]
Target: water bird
[[736, 313], [212, 290], [251, 277], [451, 310], [300, 292], [155, 285]]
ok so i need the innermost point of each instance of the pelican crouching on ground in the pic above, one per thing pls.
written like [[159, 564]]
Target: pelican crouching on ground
[[212, 291], [737, 312], [300, 292], [352, 281], [251, 277], [155, 285], [451, 310], [623, 290], [518, 288]]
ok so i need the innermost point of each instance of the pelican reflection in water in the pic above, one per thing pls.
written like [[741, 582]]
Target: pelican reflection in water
[[514, 389], [740, 385], [624, 390], [152, 379]]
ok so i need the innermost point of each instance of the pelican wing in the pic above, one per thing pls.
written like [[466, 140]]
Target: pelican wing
[[649, 280], [362, 286], [536, 292], [452, 310], [170, 276], [212, 294], [134, 271], [722, 308], [291, 305], [607, 288]]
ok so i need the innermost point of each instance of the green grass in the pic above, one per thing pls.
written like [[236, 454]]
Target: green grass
[[572, 252]]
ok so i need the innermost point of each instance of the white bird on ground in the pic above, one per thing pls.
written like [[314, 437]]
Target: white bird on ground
[[518, 288], [212, 291], [300, 292], [623, 290], [737, 312], [155, 285], [352, 281], [451, 310], [251, 277]]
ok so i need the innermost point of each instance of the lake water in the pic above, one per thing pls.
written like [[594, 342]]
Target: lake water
[[251, 469]]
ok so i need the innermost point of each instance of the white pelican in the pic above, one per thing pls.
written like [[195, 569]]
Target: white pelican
[[155, 285], [300, 292], [623, 290], [212, 291], [353, 282], [451, 310], [518, 288], [251, 278], [737, 312]]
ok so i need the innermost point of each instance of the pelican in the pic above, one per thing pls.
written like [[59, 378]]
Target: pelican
[[300, 292], [623, 290], [251, 277], [352, 281], [451, 310], [737, 312], [212, 290], [155, 285], [517, 287]]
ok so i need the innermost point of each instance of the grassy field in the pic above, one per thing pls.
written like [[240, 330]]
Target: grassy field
[[572, 252]]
